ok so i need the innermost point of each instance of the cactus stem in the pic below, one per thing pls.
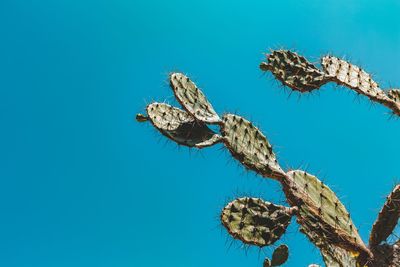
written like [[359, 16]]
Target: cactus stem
[[141, 118]]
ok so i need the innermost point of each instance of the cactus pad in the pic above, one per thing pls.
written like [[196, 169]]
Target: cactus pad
[[248, 145], [280, 255], [354, 77], [180, 126], [294, 71], [192, 99], [387, 218], [256, 222], [322, 211]]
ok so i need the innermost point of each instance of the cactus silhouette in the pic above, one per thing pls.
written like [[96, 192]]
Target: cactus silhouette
[[319, 212]]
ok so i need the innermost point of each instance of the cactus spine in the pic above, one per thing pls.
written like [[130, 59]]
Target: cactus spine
[[320, 214]]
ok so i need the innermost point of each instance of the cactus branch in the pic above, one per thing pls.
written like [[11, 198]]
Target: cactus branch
[[300, 75], [320, 214]]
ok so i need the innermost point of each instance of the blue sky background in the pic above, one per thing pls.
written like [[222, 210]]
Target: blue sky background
[[83, 184]]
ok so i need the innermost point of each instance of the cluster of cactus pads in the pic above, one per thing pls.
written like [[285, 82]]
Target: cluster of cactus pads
[[319, 212], [300, 75]]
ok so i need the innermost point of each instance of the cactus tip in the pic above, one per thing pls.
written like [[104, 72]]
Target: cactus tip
[[141, 118]]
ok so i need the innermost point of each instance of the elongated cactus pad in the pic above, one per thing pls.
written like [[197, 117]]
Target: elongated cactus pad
[[256, 222], [387, 218], [280, 255], [294, 71], [192, 98], [180, 126], [322, 211], [248, 145]]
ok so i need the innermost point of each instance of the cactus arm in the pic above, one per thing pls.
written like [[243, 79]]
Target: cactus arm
[[300, 75], [387, 218]]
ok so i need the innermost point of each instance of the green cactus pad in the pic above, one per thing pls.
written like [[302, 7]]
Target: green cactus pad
[[180, 126], [256, 222], [294, 71], [192, 99], [248, 145], [322, 211], [280, 255], [387, 218]]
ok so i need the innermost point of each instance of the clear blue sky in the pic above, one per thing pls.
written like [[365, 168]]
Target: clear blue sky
[[83, 184]]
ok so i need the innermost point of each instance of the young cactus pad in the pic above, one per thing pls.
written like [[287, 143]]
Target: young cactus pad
[[180, 126], [192, 98], [294, 71], [256, 222], [248, 145], [320, 207]]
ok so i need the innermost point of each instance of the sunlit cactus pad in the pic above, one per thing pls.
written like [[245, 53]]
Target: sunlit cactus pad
[[192, 98], [319, 205], [294, 71], [248, 145], [256, 222], [352, 76], [180, 126]]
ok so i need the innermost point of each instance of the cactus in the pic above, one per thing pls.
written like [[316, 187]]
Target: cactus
[[300, 75], [320, 214]]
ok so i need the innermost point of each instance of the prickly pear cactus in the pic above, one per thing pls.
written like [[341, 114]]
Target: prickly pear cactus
[[298, 74], [256, 222], [320, 214]]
